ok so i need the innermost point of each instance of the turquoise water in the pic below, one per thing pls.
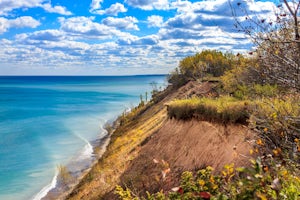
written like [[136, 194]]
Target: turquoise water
[[50, 121]]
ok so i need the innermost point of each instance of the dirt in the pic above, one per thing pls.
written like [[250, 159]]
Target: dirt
[[196, 89], [186, 145]]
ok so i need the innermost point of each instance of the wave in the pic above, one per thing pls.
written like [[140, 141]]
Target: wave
[[76, 165], [88, 149], [47, 188]]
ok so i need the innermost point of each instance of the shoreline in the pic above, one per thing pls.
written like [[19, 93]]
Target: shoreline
[[77, 168], [99, 146]]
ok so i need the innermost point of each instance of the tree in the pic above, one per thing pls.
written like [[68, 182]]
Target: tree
[[243, 73], [277, 41], [208, 62]]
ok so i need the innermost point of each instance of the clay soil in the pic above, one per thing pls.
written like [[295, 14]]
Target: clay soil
[[185, 145]]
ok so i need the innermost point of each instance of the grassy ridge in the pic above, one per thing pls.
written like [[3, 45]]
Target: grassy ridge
[[224, 109]]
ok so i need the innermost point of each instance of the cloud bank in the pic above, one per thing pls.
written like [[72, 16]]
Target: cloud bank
[[116, 37]]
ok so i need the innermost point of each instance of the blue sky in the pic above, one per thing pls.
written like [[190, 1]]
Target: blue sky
[[111, 37]]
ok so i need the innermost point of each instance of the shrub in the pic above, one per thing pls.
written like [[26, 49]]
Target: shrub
[[265, 179], [206, 63], [278, 121]]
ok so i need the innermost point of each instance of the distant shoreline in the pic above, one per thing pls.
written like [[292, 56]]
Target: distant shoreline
[[129, 75]]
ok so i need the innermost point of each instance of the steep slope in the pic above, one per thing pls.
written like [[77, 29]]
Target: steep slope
[[123, 147], [179, 146], [151, 151]]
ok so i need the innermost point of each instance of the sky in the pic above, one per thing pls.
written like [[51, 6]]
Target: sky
[[115, 37]]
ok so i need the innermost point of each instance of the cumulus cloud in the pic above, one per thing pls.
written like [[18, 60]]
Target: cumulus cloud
[[85, 26], [9, 5], [127, 23], [149, 4], [181, 6], [21, 22], [142, 41], [55, 9], [95, 5], [114, 10], [210, 20], [155, 21], [38, 36]]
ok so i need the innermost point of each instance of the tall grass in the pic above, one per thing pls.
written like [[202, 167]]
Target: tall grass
[[224, 109]]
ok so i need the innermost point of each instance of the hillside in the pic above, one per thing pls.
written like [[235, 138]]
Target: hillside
[[150, 151]]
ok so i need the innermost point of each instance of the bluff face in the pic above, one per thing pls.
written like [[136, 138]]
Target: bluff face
[[150, 151]]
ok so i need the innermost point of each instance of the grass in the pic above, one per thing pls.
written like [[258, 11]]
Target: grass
[[225, 109]]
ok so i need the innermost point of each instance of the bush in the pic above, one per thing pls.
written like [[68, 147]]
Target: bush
[[278, 121], [206, 63], [265, 179]]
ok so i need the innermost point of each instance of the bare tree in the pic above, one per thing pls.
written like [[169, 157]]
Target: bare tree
[[276, 39]]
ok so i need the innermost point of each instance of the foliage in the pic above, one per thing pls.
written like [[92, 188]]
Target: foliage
[[278, 121], [125, 194], [224, 109], [277, 40], [265, 179], [176, 78], [243, 72], [256, 91], [244, 81], [208, 62]]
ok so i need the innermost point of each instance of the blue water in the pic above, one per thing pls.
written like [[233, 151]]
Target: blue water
[[49, 121]]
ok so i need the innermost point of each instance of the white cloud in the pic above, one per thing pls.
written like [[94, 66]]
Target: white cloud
[[142, 41], [193, 19], [85, 28], [181, 6], [114, 10], [155, 21], [149, 4], [95, 5], [127, 23], [56, 9], [9, 5], [41, 36], [21, 22]]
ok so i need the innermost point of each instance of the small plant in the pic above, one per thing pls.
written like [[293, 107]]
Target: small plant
[[125, 194], [65, 177]]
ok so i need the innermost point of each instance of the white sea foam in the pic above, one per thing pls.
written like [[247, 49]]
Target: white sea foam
[[87, 150], [47, 188]]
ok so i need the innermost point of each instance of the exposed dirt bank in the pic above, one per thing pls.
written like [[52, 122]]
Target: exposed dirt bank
[[179, 146]]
